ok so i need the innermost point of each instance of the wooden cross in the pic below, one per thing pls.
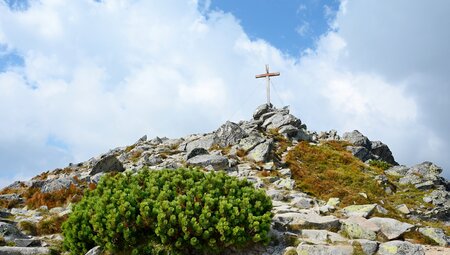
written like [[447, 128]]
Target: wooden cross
[[267, 75]]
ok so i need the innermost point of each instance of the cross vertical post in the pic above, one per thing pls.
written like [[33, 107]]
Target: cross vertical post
[[267, 75]]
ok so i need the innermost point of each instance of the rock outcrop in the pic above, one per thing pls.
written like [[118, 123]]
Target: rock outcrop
[[258, 150]]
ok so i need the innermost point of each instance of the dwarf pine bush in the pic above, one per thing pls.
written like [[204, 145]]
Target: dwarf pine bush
[[182, 211]]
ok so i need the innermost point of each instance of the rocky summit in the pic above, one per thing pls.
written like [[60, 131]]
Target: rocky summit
[[331, 193]]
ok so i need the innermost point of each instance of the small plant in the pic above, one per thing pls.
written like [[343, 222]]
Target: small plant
[[182, 211], [28, 227], [51, 225], [380, 164]]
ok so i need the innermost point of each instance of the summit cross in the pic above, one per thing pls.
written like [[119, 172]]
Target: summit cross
[[267, 75]]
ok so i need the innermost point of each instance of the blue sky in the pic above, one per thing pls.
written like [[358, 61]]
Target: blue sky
[[81, 77], [290, 25]]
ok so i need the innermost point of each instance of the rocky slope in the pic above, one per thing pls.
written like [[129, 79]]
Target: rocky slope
[[331, 194]]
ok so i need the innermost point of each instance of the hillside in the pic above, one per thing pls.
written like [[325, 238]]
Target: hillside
[[330, 194]]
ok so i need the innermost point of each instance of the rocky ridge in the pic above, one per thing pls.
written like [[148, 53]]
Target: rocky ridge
[[258, 150]]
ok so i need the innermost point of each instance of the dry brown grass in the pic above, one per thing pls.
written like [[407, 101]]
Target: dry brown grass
[[329, 170], [35, 198]]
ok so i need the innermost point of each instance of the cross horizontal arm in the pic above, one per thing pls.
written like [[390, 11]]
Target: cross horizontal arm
[[267, 75]]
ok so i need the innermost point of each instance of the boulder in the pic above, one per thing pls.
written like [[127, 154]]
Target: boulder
[[425, 169], [11, 199], [195, 152], [437, 235], [400, 248], [250, 142], [391, 228], [27, 242], [288, 131], [360, 152], [107, 164], [5, 250], [4, 214], [205, 142], [217, 162], [403, 209], [152, 159], [315, 236], [229, 134], [397, 171], [262, 109], [311, 220], [381, 151], [9, 232], [62, 182], [261, 152], [97, 250], [357, 139], [359, 210], [303, 202], [321, 249], [279, 119], [368, 247], [284, 183], [357, 227]]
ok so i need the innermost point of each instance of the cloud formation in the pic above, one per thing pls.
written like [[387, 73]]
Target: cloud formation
[[100, 74]]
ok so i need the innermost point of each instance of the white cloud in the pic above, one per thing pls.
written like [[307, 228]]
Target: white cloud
[[103, 74]]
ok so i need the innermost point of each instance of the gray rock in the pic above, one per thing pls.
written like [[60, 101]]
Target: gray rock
[[27, 242], [381, 151], [410, 179], [437, 235], [4, 214], [205, 142], [262, 109], [279, 119], [152, 160], [62, 182], [195, 152], [11, 197], [250, 142], [311, 220], [97, 250], [9, 232], [5, 250], [229, 134], [425, 169], [367, 246], [320, 249], [277, 195], [315, 236], [403, 209], [142, 139], [391, 228], [359, 228], [285, 172], [261, 152], [357, 139], [425, 185], [288, 131], [360, 152], [359, 210], [107, 164], [284, 183], [438, 198], [217, 162], [397, 171], [400, 248], [303, 202]]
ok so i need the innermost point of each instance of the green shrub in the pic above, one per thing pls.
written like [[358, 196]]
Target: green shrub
[[380, 164], [182, 211]]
